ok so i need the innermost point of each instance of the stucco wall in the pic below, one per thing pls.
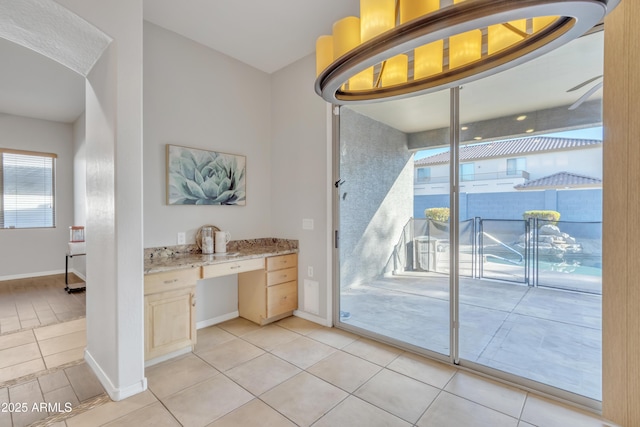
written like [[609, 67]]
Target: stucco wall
[[376, 197]]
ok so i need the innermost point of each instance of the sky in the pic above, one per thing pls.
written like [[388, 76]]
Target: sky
[[589, 133]]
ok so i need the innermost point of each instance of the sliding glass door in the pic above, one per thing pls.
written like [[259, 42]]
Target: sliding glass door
[[534, 136], [468, 222], [381, 240]]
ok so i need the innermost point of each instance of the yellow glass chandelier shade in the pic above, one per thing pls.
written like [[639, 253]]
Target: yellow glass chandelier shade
[[465, 48], [362, 81], [346, 35], [541, 22], [376, 17], [428, 60], [401, 47], [501, 36], [324, 53], [395, 71], [412, 9]]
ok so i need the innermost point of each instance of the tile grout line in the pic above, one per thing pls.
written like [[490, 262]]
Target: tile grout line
[[348, 394], [157, 400]]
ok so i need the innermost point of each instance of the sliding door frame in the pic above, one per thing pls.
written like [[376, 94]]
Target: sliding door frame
[[454, 284]]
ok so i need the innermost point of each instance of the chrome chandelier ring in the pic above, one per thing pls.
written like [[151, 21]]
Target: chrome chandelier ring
[[573, 19]]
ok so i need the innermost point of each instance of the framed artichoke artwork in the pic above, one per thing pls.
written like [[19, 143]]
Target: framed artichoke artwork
[[200, 177]]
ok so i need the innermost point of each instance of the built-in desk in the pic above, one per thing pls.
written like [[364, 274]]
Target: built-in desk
[[267, 288]]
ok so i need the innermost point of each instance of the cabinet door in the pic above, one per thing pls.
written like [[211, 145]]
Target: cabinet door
[[282, 298], [170, 322]]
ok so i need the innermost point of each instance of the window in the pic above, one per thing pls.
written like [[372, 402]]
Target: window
[[424, 174], [515, 166], [467, 172], [27, 189]]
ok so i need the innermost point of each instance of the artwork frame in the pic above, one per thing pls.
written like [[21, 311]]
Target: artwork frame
[[202, 177]]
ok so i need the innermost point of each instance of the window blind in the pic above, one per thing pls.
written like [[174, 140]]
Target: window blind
[[27, 187]]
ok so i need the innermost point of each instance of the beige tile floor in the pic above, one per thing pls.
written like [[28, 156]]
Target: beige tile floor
[[298, 373], [38, 301], [47, 396], [36, 350], [291, 373]]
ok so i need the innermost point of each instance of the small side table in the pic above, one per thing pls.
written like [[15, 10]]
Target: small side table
[[66, 275]]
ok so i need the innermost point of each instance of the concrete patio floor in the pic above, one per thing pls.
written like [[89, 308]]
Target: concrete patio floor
[[546, 335]]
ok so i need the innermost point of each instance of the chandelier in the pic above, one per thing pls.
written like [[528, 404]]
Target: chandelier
[[398, 48]]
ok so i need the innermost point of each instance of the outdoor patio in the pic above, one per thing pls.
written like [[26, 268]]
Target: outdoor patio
[[548, 335]]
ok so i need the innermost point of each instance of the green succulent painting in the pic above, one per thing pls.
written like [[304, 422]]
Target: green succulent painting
[[199, 177]]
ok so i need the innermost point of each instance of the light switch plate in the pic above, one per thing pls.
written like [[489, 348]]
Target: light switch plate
[[307, 224]]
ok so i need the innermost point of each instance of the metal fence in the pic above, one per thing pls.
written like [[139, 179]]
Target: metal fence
[[563, 254]]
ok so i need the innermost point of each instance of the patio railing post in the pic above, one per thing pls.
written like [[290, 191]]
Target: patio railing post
[[475, 257], [527, 238], [481, 249], [534, 250]]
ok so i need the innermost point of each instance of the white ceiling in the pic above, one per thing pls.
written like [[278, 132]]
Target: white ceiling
[[32, 85], [269, 35]]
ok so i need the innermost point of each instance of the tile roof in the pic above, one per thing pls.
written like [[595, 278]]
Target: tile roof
[[510, 147], [560, 180]]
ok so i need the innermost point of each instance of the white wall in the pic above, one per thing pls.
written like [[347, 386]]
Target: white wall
[[197, 97], [35, 252], [301, 179], [115, 327], [79, 186], [587, 162]]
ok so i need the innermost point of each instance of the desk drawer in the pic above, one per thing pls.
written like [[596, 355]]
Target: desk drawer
[[282, 298], [161, 282], [232, 267], [282, 261], [282, 276]]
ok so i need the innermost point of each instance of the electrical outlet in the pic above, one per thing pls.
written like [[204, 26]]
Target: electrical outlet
[[182, 238], [310, 271], [307, 224]]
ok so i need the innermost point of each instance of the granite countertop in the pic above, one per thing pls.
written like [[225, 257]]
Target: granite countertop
[[168, 258]]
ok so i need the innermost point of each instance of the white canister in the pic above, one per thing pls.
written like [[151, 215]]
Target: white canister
[[207, 240], [221, 240]]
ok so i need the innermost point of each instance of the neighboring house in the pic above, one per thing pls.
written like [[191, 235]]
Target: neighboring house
[[520, 164], [502, 179]]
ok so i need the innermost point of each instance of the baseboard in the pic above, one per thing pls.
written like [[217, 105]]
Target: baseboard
[[77, 273], [114, 393], [216, 320], [168, 356], [313, 318], [29, 275]]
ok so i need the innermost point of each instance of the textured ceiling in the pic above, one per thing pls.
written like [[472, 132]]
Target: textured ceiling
[[269, 35]]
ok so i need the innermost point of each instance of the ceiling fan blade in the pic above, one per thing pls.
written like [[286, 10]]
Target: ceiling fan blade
[[584, 83], [586, 96]]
